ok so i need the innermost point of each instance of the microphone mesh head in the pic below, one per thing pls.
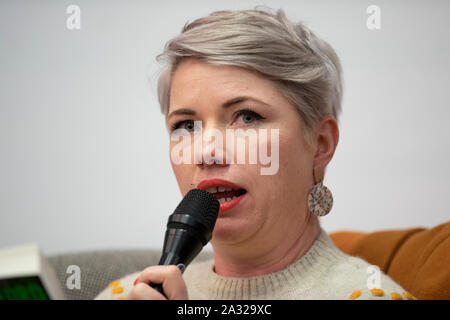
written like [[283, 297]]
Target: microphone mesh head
[[200, 204]]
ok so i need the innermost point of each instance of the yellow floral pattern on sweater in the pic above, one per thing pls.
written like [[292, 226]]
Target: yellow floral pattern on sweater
[[377, 292]]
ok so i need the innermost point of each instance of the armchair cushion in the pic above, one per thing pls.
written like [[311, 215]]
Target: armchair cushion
[[100, 267], [418, 259]]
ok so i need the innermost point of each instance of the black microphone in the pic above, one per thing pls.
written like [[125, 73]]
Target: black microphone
[[189, 229]]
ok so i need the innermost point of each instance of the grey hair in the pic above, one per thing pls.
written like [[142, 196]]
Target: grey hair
[[305, 68]]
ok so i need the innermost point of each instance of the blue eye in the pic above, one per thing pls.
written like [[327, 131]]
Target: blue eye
[[185, 124]]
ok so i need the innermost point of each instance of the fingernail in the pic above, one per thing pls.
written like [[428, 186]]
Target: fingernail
[[135, 281]]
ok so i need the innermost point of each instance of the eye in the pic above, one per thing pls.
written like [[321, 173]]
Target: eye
[[185, 124], [248, 116]]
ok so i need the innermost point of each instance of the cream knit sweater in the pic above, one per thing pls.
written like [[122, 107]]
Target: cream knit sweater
[[324, 272]]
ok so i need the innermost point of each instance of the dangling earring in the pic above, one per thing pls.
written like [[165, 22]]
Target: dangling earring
[[320, 199]]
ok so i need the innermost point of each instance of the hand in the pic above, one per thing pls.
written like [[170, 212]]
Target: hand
[[171, 279]]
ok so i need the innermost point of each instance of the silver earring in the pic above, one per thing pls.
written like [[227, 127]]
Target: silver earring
[[320, 199]]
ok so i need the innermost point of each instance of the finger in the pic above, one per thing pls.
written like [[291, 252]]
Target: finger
[[169, 276], [143, 291]]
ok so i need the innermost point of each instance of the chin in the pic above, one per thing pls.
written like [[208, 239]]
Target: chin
[[234, 229], [228, 230]]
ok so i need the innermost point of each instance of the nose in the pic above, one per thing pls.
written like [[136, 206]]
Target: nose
[[210, 148]]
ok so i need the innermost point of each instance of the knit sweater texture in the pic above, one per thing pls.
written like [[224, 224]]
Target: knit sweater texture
[[324, 272]]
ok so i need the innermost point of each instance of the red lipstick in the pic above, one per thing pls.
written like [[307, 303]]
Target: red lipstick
[[228, 193]]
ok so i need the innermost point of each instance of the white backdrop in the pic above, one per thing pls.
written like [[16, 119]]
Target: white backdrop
[[84, 161]]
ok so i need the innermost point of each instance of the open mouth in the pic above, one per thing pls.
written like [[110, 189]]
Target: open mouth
[[227, 193], [224, 194]]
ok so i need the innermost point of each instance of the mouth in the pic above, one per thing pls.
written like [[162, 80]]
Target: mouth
[[227, 193]]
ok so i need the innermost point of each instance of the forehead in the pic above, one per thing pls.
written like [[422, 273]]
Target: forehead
[[194, 80], [193, 70]]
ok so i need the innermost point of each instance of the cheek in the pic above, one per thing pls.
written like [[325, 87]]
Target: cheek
[[184, 175], [295, 160], [183, 171]]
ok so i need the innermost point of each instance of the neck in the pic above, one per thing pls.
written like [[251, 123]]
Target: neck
[[273, 256]]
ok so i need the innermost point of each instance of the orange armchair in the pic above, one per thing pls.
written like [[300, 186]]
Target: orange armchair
[[418, 259]]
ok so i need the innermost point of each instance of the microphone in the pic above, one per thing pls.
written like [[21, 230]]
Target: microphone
[[189, 229]]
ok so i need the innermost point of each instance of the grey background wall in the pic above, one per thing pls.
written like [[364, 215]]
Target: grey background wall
[[84, 159]]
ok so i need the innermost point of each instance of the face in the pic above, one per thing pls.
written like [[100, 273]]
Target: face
[[272, 205]]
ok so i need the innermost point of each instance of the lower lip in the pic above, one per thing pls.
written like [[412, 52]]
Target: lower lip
[[230, 204]]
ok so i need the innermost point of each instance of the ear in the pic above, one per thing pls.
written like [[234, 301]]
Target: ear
[[326, 140]]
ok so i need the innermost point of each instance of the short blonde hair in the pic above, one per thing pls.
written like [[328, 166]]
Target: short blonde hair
[[306, 69]]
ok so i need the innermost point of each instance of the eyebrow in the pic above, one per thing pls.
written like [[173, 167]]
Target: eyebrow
[[226, 104]]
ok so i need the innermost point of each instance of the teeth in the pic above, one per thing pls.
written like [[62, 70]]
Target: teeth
[[212, 190], [218, 189], [227, 199]]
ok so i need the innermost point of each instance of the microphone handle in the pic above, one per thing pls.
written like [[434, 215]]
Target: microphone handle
[[164, 261], [181, 241]]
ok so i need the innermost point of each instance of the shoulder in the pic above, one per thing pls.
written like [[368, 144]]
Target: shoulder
[[198, 269], [198, 279], [118, 289], [357, 279]]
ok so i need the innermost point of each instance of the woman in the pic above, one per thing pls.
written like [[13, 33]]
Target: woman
[[256, 70]]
